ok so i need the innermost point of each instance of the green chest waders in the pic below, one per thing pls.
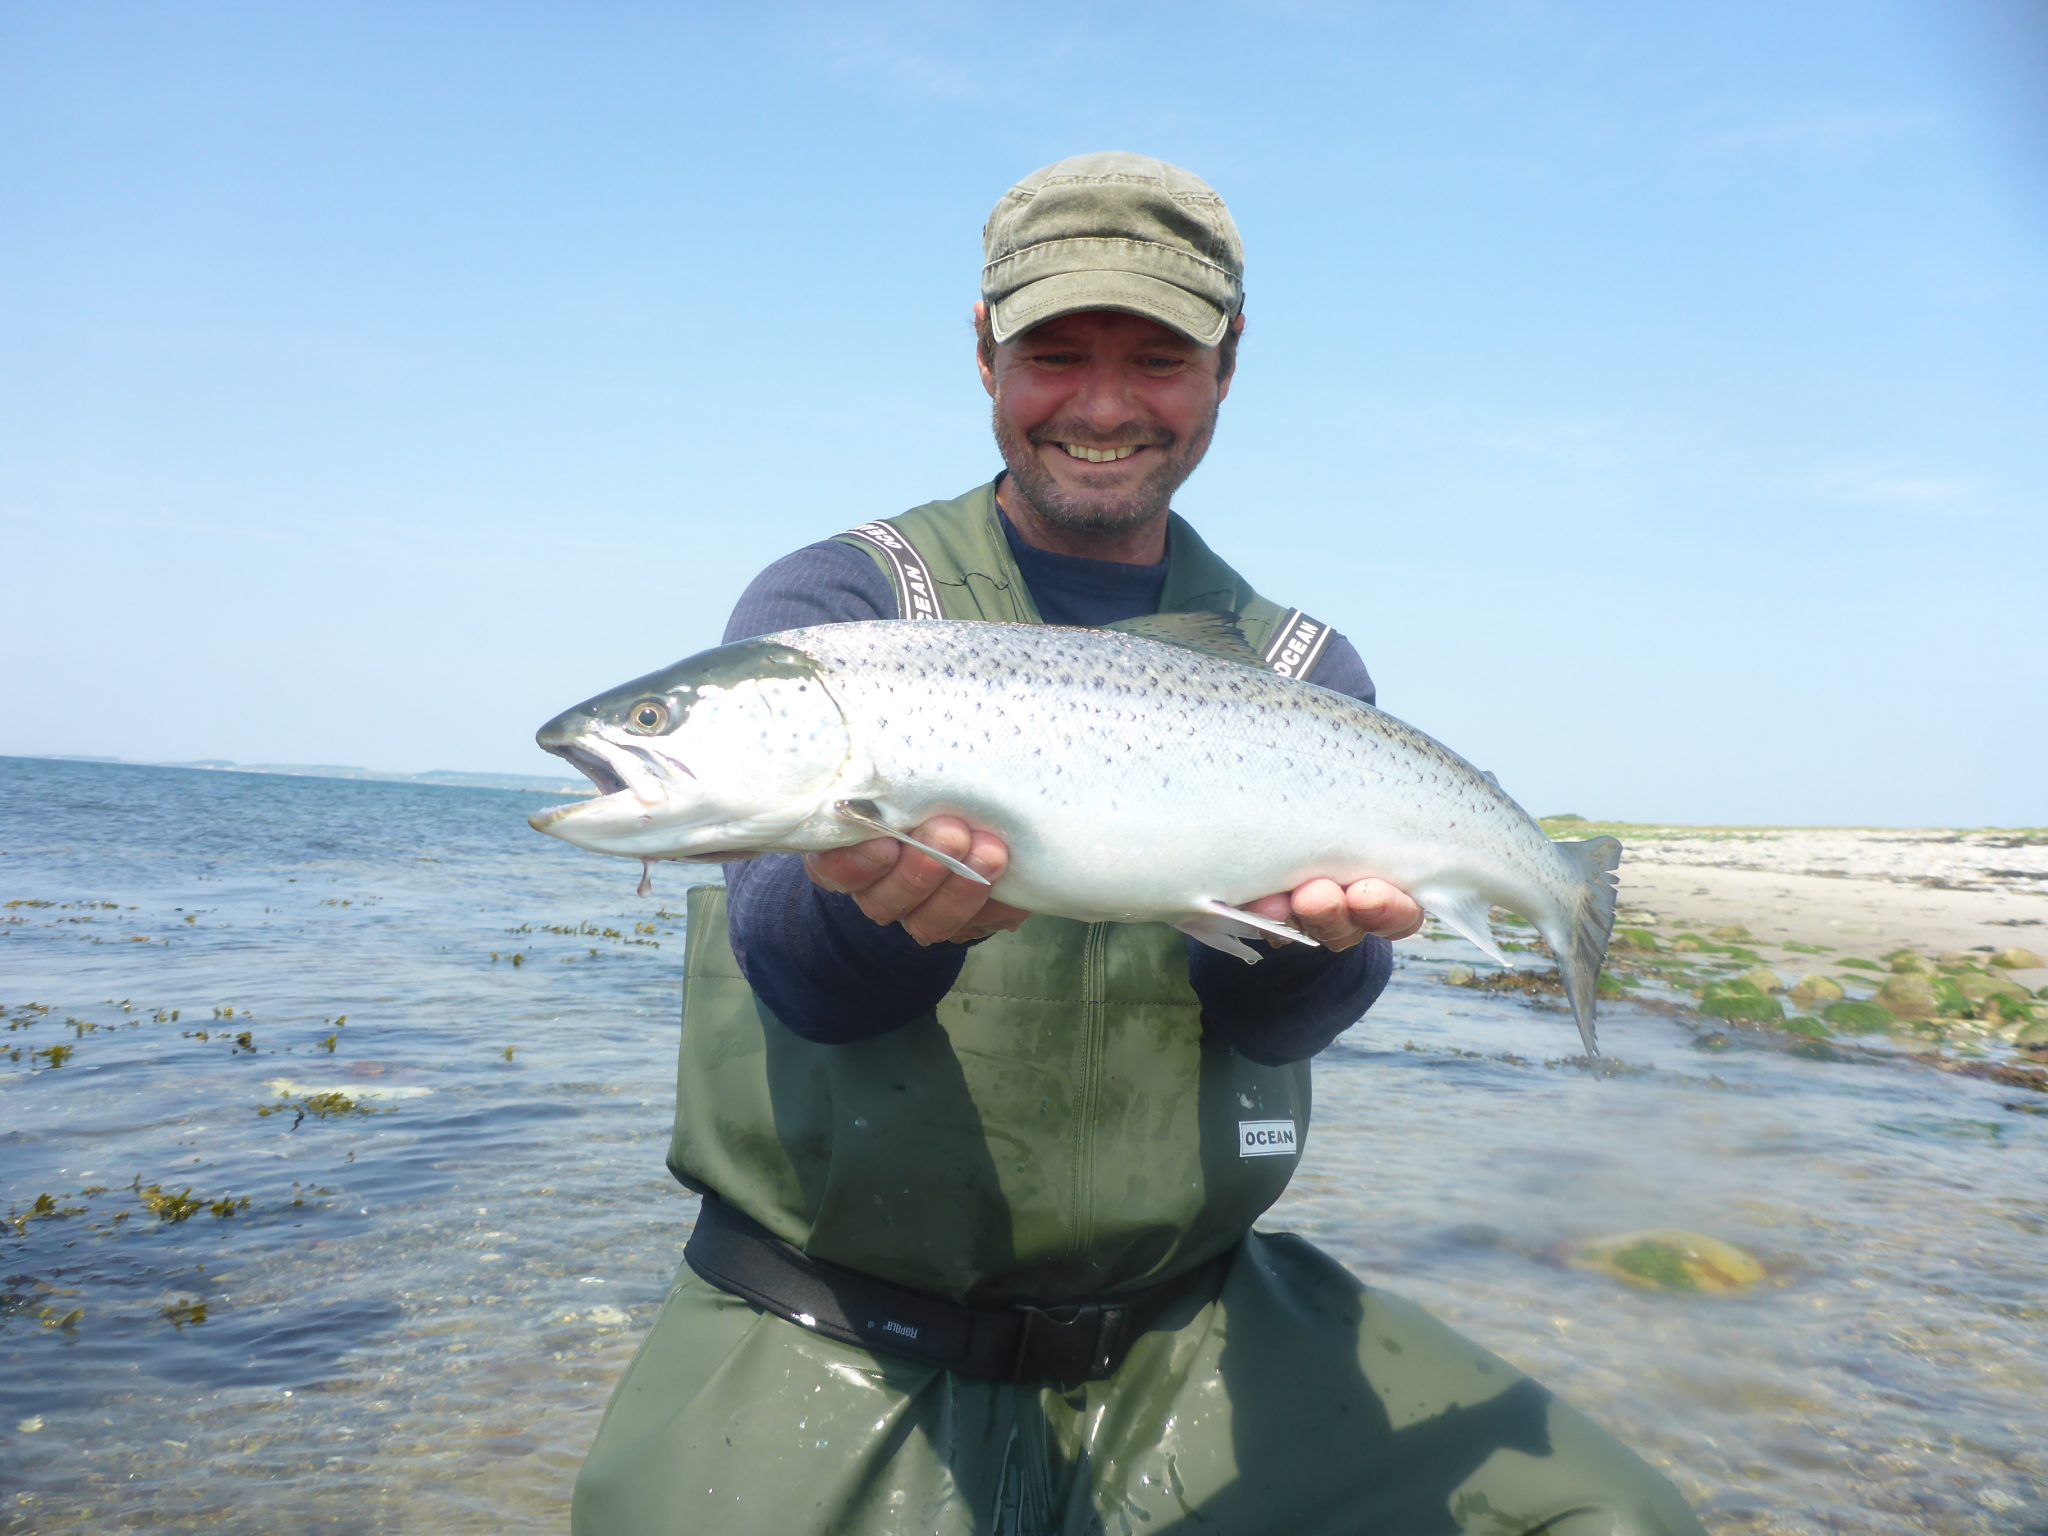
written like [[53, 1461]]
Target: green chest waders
[[1057, 1134]]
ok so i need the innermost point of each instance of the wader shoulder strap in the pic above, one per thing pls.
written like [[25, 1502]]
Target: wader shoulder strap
[[898, 557], [933, 553], [949, 560]]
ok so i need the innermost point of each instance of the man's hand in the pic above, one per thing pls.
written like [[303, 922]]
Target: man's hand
[[892, 883], [1339, 916]]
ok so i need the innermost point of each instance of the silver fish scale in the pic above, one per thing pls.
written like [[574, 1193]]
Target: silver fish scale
[[1136, 779]]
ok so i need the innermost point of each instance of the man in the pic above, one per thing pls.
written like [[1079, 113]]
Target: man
[[975, 1253]]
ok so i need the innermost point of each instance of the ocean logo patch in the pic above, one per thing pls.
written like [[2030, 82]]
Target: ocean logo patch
[[1266, 1138], [1297, 644]]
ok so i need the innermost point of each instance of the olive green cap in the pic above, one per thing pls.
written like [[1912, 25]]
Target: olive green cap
[[1113, 231]]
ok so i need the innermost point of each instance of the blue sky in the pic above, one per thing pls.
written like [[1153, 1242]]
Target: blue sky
[[1656, 395]]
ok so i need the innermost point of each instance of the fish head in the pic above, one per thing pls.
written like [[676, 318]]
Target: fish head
[[722, 754]]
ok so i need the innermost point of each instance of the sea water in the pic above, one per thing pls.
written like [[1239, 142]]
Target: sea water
[[332, 1116]]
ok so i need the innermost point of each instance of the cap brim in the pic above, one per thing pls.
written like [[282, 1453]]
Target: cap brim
[[1130, 293]]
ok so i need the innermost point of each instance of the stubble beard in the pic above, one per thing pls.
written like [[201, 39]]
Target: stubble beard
[[1101, 513]]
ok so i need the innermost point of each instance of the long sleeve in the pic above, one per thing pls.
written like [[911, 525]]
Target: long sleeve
[[827, 972]]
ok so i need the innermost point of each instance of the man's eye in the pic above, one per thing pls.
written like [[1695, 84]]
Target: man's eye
[[1162, 364]]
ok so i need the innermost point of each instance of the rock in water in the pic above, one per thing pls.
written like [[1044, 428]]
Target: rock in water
[[1671, 1260], [1812, 991]]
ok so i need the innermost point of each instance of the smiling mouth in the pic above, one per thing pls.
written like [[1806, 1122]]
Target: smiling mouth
[[1088, 455]]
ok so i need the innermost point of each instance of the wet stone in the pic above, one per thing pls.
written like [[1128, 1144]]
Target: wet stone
[[1909, 996], [1812, 991], [1671, 1260]]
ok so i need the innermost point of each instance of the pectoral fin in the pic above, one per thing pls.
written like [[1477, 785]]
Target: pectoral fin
[[1225, 927], [862, 813]]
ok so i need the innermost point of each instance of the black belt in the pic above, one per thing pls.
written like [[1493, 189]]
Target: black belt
[[1072, 1342]]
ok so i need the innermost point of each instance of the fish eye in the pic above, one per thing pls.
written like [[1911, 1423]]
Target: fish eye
[[649, 717]]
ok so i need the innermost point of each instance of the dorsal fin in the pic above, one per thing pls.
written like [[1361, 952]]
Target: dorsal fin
[[1213, 634]]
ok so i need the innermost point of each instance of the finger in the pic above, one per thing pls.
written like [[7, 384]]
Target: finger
[[915, 876], [956, 903], [1386, 910], [1318, 909], [1276, 909], [1001, 917], [855, 868]]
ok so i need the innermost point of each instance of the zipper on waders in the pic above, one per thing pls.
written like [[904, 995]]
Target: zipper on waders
[[1094, 994]]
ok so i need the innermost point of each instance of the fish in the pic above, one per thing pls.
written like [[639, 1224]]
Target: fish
[[1149, 771]]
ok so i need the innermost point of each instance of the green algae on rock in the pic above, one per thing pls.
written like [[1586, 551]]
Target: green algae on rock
[[2018, 960], [1740, 999], [1859, 1019], [1671, 1260], [1980, 986]]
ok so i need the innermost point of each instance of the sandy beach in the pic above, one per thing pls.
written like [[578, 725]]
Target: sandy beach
[[1865, 892]]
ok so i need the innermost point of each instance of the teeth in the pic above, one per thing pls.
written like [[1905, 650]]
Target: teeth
[[1097, 455]]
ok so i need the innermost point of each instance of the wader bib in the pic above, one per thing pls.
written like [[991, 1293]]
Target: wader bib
[[1058, 1130]]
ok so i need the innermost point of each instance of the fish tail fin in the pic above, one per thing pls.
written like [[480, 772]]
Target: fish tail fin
[[1581, 949]]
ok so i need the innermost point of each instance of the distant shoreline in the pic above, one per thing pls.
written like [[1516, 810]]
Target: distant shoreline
[[1896, 932], [445, 778]]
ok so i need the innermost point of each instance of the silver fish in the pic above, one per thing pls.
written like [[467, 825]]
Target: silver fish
[[1150, 772]]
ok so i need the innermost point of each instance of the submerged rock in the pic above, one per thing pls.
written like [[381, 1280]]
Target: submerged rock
[[1671, 1260], [1811, 991], [1764, 979]]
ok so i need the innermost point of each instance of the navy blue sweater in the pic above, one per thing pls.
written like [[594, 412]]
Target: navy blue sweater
[[832, 975]]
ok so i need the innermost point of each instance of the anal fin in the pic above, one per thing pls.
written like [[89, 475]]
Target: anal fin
[[863, 814], [1224, 927], [1469, 915]]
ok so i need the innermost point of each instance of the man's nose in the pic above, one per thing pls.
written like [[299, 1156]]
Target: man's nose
[[1104, 398]]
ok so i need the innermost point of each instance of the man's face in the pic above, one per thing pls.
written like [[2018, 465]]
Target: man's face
[[1100, 417]]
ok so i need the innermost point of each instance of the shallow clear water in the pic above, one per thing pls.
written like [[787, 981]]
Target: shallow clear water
[[414, 1321]]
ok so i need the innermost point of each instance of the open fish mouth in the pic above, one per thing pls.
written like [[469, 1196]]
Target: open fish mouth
[[621, 771], [593, 765]]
